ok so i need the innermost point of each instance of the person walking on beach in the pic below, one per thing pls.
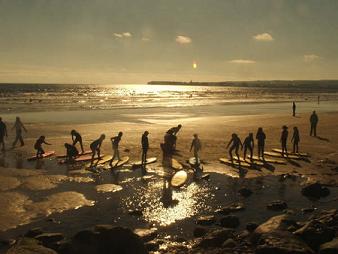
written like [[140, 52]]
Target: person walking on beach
[[236, 142], [71, 152], [38, 146], [18, 125], [293, 109], [173, 131], [313, 121], [260, 136], [196, 144], [145, 147], [95, 147], [248, 144], [76, 138], [115, 143], [3, 133], [295, 139], [284, 139]]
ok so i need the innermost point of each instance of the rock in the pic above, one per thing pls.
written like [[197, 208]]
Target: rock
[[274, 223], [29, 246], [49, 239], [206, 220], [230, 221], [152, 246], [277, 205], [200, 231], [315, 190], [329, 247], [235, 207], [33, 232], [230, 243], [251, 226], [245, 192], [215, 238], [308, 210], [146, 234], [135, 212]]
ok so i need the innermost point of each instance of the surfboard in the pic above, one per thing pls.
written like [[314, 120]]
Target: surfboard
[[176, 165], [45, 155], [295, 154], [192, 161], [179, 178], [252, 162], [101, 161], [148, 161], [269, 160], [234, 162], [120, 163], [65, 155], [279, 155]]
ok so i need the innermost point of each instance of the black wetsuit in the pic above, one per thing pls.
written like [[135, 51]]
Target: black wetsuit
[[284, 139], [248, 145], [314, 122], [145, 147]]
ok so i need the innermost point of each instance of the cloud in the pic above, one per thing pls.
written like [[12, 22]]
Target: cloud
[[181, 39], [122, 35], [311, 58], [263, 37], [242, 61]]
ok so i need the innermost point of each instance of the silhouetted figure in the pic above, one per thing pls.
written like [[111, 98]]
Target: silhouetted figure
[[169, 142], [76, 138], [260, 136], [38, 146], [95, 146], [3, 133], [196, 144], [313, 121], [284, 140], [71, 152], [236, 142], [295, 139], [145, 147], [174, 131], [18, 125], [115, 143], [293, 109], [248, 144]]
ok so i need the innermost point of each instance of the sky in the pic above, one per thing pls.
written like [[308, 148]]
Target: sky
[[135, 41]]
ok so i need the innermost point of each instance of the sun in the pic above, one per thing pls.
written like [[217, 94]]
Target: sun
[[194, 65]]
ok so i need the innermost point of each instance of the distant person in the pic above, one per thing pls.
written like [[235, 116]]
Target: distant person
[[95, 147], [235, 142], [284, 140], [71, 151], [295, 139], [248, 144], [18, 125], [260, 136], [197, 146], [313, 121], [174, 131], [76, 138], [3, 133], [38, 146], [293, 109], [115, 143], [145, 147]]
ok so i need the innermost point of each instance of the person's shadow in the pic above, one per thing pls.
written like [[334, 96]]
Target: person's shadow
[[323, 139]]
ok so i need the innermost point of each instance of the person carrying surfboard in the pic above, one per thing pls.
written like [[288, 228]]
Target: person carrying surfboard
[[248, 144], [260, 136], [145, 147], [3, 133], [115, 143], [284, 139], [236, 142], [76, 138], [38, 146], [95, 146], [18, 125], [295, 139], [196, 144], [71, 151]]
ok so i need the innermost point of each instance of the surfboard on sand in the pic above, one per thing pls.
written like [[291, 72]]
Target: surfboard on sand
[[148, 161], [295, 154], [176, 165], [269, 160], [234, 162], [101, 161], [82, 158], [192, 161], [179, 178], [279, 155], [65, 155], [45, 155], [116, 163]]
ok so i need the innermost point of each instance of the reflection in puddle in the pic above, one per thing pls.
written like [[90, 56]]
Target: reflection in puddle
[[108, 188]]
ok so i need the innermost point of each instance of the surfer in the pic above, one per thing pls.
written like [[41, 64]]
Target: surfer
[[95, 146], [3, 133], [71, 152], [196, 144], [295, 139], [115, 143], [284, 139], [18, 125], [38, 146], [76, 138], [145, 147], [313, 122], [248, 144], [260, 136], [236, 142], [174, 131], [293, 109]]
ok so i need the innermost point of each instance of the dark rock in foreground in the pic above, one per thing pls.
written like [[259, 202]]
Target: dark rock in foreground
[[29, 246], [277, 205], [315, 190], [230, 221], [330, 247]]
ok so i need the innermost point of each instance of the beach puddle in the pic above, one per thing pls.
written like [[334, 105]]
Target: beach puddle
[[8, 183], [43, 182], [104, 188]]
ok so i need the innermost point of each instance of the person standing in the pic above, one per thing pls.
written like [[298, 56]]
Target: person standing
[[295, 139], [76, 138], [313, 121], [260, 136], [293, 109], [18, 125], [3, 133], [196, 144], [248, 144], [145, 147], [284, 139], [115, 143], [236, 142]]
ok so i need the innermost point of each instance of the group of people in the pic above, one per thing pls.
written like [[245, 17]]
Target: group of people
[[19, 128]]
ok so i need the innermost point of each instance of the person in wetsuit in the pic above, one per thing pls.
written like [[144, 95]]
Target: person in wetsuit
[[197, 146], [295, 139], [18, 125], [95, 147], [76, 138], [38, 146], [260, 136], [293, 109], [248, 144], [174, 131], [145, 147], [3, 133], [71, 151], [284, 140], [236, 142], [313, 121], [115, 143]]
